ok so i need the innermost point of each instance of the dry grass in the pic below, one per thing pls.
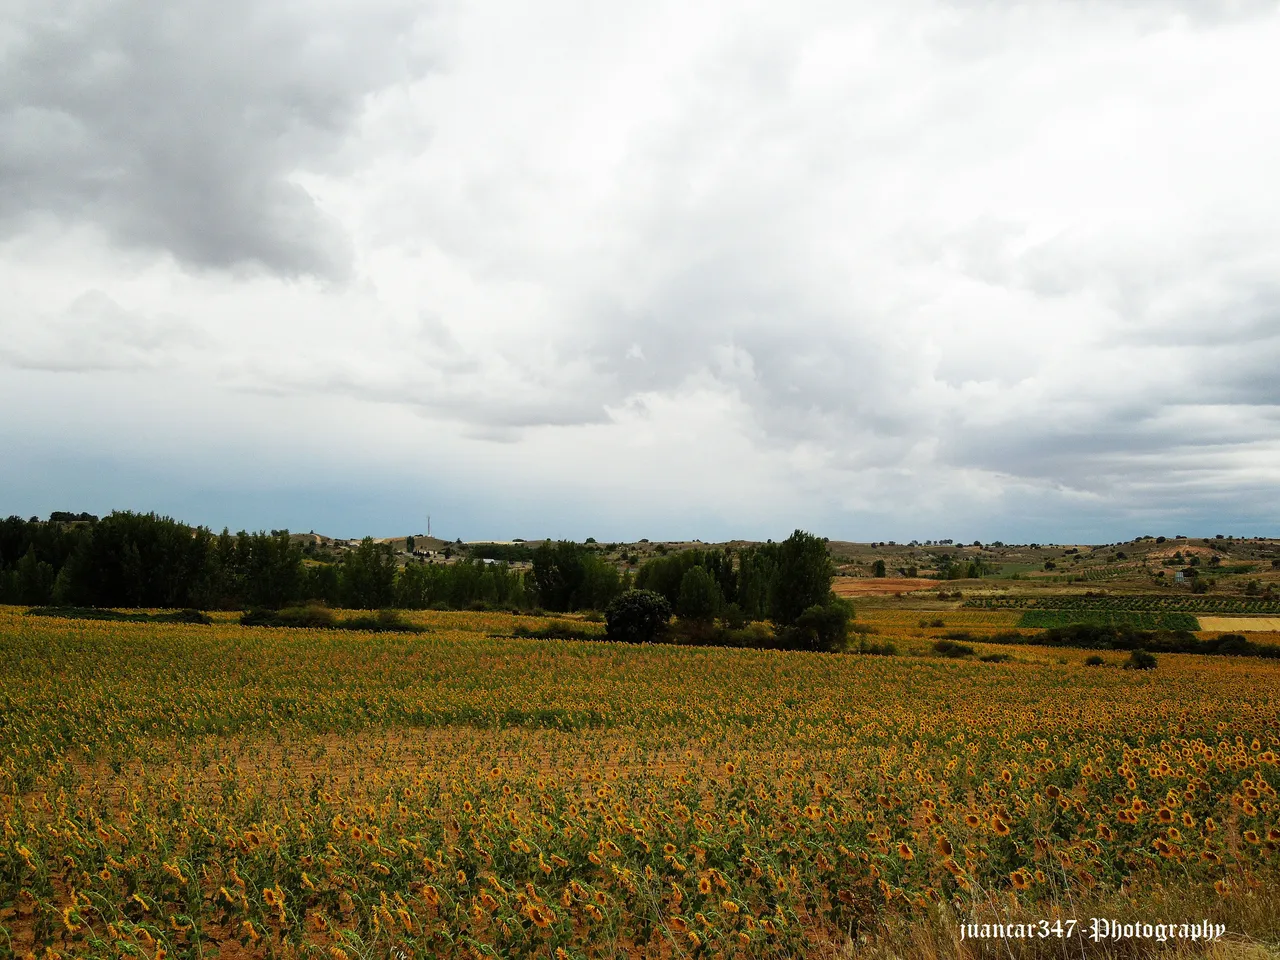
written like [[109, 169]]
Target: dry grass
[[881, 586], [1241, 625]]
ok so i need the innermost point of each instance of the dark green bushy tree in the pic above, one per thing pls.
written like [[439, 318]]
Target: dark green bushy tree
[[460, 585], [803, 577], [637, 616], [699, 598], [558, 572], [757, 580], [136, 559], [369, 576], [33, 579], [823, 627], [569, 576]]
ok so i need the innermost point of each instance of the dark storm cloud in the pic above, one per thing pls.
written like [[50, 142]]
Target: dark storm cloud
[[176, 127]]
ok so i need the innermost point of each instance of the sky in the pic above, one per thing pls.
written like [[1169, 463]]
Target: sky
[[676, 270]]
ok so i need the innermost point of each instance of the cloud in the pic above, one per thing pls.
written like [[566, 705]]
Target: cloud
[[180, 128], [94, 333], [867, 263]]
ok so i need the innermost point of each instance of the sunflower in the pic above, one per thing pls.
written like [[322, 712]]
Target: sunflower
[[905, 852], [704, 886]]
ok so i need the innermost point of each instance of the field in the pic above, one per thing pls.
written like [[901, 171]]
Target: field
[[880, 586], [1137, 619], [177, 790], [1241, 624]]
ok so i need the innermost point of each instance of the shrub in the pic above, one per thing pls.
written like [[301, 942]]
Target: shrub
[[886, 649], [733, 617], [1234, 644], [996, 658], [312, 615], [384, 621], [95, 613], [1093, 660], [1140, 660], [949, 648], [316, 617], [755, 636], [557, 630], [637, 616]]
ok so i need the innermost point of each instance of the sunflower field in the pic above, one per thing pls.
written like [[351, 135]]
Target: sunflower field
[[185, 790]]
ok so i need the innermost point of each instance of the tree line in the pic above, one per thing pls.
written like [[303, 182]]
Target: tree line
[[144, 560], [131, 559]]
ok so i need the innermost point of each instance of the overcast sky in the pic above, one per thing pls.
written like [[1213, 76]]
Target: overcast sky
[[968, 270]]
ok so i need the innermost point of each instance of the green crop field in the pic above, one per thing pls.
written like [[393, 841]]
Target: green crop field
[[1139, 620]]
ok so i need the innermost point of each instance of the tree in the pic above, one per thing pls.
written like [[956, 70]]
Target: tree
[[558, 573], [823, 627], [804, 577], [409, 543], [369, 576], [35, 579], [699, 596], [877, 569], [637, 616]]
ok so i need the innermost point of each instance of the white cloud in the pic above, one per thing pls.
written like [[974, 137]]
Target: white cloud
[[860, 263]]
